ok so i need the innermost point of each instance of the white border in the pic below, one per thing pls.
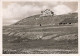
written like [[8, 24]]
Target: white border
[[0, 28], [40, 0], [38, 54]]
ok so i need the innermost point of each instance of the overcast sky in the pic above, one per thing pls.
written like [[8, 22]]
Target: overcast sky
[[15, 11]]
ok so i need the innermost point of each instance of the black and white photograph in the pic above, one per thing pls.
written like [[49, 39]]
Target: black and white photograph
[[40, 27]]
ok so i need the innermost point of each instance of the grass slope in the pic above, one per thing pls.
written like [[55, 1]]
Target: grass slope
[[44, 20], [24, 37]]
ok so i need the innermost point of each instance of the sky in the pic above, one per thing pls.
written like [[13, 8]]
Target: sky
[[15, 11]]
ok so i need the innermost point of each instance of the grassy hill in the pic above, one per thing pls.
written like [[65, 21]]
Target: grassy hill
[[46, 20], [24, 37]]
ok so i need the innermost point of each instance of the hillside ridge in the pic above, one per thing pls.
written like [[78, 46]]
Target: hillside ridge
[[46, 20]]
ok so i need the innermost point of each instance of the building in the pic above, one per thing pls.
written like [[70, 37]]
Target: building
[[47, 12]]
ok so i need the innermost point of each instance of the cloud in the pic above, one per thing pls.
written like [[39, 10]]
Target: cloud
[[61, 9], [76, 10], [15, 11]]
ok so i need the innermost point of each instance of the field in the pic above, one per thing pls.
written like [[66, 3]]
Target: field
[[40, 40]]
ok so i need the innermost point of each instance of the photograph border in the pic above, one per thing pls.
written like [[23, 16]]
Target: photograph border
[[1, 14]]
